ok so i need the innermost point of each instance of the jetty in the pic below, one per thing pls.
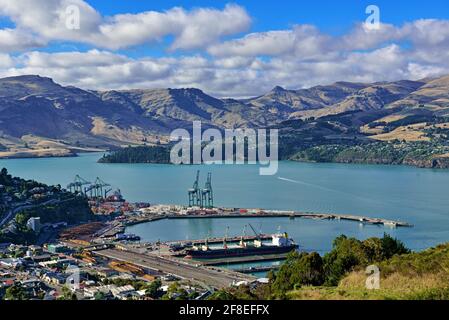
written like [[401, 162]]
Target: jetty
[[244, 259], [297, 214]]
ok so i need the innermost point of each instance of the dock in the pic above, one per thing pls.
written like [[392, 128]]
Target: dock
[[303, 215], [220, 240], [244, 259], [257, 269]]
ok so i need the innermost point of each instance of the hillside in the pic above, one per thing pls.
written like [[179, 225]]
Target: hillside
[[341, 274], [39, 117], [414, 276]]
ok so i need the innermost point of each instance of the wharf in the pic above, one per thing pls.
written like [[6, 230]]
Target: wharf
[[236, 260], [305, 215], [257, 269], [220, 240]]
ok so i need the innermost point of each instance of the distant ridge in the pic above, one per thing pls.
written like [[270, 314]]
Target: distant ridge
[[35, 109]]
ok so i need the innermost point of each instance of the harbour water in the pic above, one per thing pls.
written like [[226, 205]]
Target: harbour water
[[417, 196]]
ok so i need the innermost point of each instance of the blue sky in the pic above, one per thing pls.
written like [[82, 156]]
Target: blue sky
[[227, 48], [330, 16]]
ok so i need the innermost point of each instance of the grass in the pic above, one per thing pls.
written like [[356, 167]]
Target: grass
[[415, 276]]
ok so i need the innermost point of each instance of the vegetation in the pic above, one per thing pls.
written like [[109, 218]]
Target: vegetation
[[421, 154], [341, 273], [144, 154], [154, 288], [50, 203], [15, 292]]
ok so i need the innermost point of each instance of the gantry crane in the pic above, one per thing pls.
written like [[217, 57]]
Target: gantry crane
[[195, 193], [99, 189], [77, 185], [207, 194]]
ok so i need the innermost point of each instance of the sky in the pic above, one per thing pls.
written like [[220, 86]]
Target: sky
[[226, 48]]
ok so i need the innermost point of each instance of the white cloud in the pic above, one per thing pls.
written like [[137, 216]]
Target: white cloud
[[250, 65], [6, 61], [191, 29], [304, 41]]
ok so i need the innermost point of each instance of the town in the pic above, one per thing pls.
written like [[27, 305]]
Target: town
[[71, 243], [58, 243]]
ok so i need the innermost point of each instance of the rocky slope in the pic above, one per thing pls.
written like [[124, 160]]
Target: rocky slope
[[38, 114]]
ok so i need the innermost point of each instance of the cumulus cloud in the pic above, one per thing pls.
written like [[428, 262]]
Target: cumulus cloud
[[305, 41], [47, 19], [240, 66], [12, 40], [6, 61]]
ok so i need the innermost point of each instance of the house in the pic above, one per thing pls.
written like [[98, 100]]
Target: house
[[57, 248], [53, 278], [56, 263], [41, 258], [106, 272], [105, 290], [124, 292], [11, 262]]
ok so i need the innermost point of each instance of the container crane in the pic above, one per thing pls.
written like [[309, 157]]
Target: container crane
[[195, 193], [99, 189], [207, 194], [77, 185]]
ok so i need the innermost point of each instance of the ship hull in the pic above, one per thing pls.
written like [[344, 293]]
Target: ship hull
[[239, 252]]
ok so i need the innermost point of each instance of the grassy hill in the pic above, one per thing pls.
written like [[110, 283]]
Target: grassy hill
[[414, 276], [341, 274]]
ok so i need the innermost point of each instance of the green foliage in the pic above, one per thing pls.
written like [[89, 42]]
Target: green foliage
[[410, 153], [143, 154], [154, 288], [347, 254], [222, 295], [99, 296], [430, 294], [67, 294], [15, 292], [299, 269]]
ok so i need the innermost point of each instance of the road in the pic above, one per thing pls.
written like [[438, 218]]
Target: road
[[211, 277], [12, 213]]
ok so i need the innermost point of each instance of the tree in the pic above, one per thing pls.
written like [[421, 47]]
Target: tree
[[300, 269], [392, 246], [67, 294], [15, 292], [222, 295], [99, 296], [153, 289]]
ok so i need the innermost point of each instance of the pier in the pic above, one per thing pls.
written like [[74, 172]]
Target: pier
[[220, 240], [244, 259], [295, 214], [257, 269]]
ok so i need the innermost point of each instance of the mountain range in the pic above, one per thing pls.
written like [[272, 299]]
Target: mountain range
[[39, 117]]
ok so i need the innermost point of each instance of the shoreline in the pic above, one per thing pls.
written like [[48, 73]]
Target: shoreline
[[21, 155], [276, 214], [77, 154]]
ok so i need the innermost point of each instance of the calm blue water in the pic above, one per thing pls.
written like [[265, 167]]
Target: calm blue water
[[418, 196]]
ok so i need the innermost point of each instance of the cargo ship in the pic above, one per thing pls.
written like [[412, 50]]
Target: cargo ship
[[280, 244]]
